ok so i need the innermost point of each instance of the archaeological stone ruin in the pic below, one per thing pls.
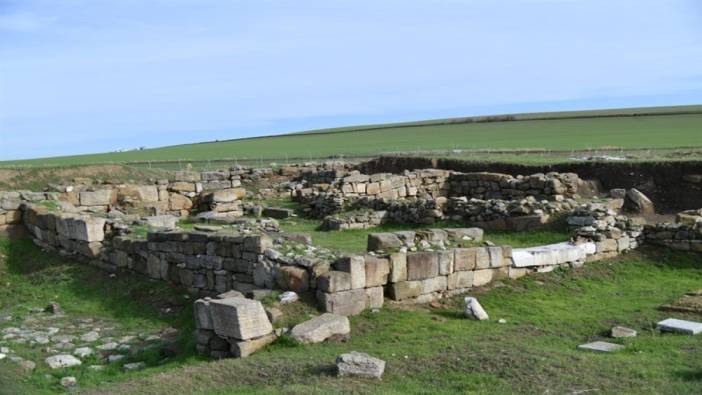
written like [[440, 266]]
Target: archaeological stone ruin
[[212, 234]]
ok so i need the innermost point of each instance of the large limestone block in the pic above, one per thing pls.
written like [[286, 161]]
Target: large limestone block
[[243, 349], [356, 364], [521, 257], [405, 290], [83, 228], [176, 201], [293, 278], [459, 280], [349, 302], [356, 266], [434, 284], [446, 263], [375, 297], [227, 195], [398, 267], [383, 241], [482, 258], [147, 193], [334, 281], [239, 318], [321, 328], [377, 270], [181, 186], [464, 259], [496, 257], [102, 197], [482, 277], [187, 175], [422, 265]]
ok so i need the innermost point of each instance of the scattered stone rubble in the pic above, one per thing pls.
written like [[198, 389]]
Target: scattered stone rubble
[[65, 341]]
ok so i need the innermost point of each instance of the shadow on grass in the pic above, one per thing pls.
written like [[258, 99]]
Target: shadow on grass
[[690, 375]]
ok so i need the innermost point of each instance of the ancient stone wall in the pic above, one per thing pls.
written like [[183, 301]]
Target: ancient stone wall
[[393, 193], [685, 234], [203, 263], [506, 187]]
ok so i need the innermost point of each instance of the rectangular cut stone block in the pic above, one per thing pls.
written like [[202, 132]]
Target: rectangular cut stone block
[[239, 318], [607, 245], [350, 302], [181, 186], [482, 277], [334, 281], [496, 257], [680, 326], [482, 258], [464, 259], [101, 197], [84, 228], [517, 272], [398, 267], [458, 280], [446, 263], [186, 175], [545, 257], [147, 193], [377, 270], [522, 258], [570, 253], [375, 297], [434, 284], [245, 348], [356, 266], [422, 265], [405, 290], [293, 278]]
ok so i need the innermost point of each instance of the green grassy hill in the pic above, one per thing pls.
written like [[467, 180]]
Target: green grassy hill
[[658, 128]]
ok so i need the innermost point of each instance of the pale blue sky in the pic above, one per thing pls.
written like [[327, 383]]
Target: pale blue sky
[[100, 75]]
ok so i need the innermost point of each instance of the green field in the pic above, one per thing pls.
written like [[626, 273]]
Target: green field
[[650, 129]]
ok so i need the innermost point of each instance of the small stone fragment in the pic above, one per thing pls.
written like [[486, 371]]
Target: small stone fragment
[[621, 331], [83, 352], [62, 361], [359, 365], [68, 381], [134, 366], [288, 297], [472, 309]]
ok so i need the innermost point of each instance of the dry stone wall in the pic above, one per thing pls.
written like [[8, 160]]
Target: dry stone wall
[[685, 234], [473, 197], [507, 187]]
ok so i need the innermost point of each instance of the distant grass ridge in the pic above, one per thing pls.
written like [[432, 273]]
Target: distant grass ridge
[[654, 128]]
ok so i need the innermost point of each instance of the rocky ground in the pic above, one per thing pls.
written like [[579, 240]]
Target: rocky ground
[[51, 338]]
